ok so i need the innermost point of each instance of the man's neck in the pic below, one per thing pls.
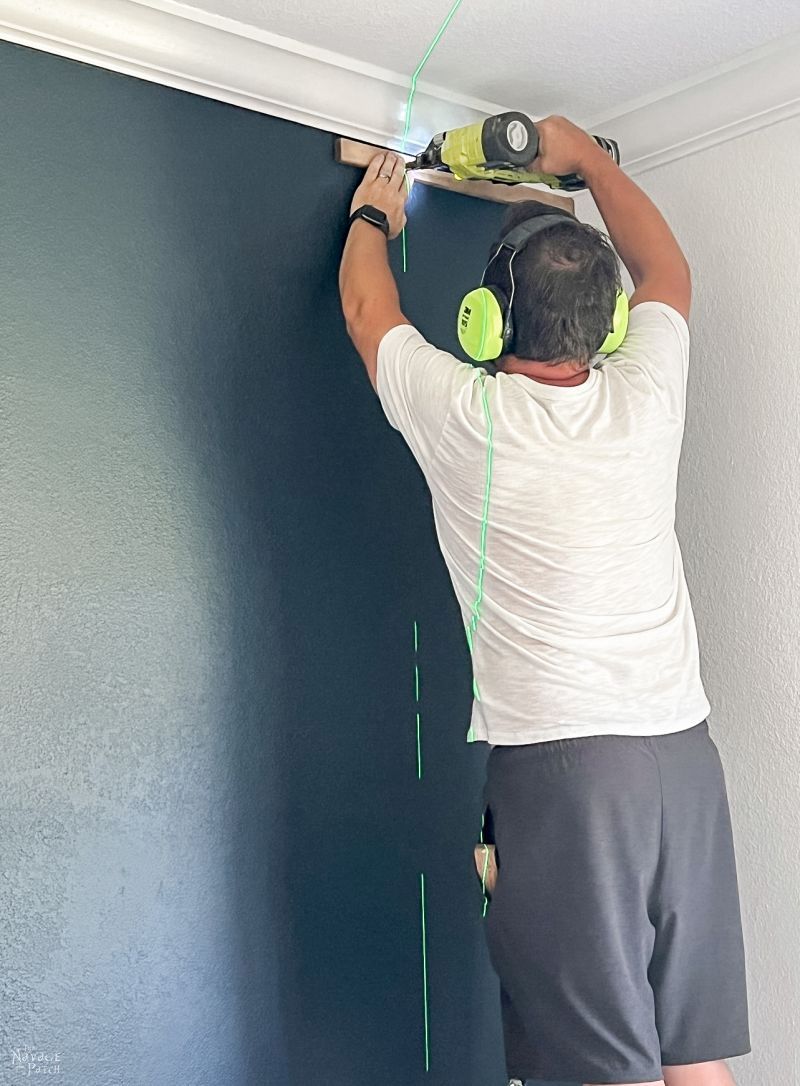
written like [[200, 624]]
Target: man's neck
[[563, 374]]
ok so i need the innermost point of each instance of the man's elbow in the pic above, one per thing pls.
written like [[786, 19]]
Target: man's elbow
[[357, 323], [681, 276], [356, 313], [367, 320], [349, 303], [670, 265], [686, 276], [353, 320], [353, 332], [686, 270]]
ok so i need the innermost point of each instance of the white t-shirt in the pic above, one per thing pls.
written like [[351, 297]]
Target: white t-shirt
[[586, 627]]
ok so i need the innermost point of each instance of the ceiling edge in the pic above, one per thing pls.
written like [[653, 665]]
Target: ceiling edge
[[756, 89], [181, 47], [169, 43]]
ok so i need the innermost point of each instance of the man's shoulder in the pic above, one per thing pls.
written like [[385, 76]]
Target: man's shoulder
[[656, 316]]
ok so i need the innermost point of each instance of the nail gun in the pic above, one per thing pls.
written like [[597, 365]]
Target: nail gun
[[499, 149]]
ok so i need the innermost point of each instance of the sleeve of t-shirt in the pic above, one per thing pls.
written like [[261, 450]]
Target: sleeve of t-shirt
[[655, 352], [418, 385]]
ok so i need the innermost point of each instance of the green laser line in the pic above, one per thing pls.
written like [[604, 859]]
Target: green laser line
[[409, 104], [423, 62], [419, 751], [424, 973], [403, 232], [483, 876], [416, 698], [485, 865], [412, 92], [476, 606], [486, 495]]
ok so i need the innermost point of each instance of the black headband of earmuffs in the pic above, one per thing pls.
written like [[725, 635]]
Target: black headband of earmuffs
[[518, 236], [514, 242]]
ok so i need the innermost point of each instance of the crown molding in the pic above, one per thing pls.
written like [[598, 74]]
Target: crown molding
[[753, 91], [171, 43], [178, 46]]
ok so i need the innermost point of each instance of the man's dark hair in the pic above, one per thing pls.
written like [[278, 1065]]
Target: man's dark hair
[[567, 278]]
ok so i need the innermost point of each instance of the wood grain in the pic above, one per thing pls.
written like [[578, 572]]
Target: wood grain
[[353, 153]]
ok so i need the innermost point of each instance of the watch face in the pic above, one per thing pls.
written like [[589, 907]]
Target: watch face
[[376, 217]]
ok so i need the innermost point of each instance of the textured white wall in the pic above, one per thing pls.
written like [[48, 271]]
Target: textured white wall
[[736, 210]]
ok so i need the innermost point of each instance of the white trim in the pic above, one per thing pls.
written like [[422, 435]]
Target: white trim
[[168, 42], [753, 91]]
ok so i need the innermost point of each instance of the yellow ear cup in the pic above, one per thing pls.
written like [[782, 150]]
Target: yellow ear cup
[[480, 325], [619, 325]]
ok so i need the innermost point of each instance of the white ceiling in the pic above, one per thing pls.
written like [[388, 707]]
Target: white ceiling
[[573, 57]]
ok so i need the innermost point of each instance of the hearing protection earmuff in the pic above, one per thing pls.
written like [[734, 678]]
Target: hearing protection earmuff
[[485, 322]]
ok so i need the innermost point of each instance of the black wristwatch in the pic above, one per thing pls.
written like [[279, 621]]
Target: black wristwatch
[[372, 215]]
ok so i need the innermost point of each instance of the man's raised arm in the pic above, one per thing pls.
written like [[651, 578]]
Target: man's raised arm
[[638, 230]]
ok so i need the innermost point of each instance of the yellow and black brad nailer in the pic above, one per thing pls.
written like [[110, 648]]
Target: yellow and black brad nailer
[[499, 149]]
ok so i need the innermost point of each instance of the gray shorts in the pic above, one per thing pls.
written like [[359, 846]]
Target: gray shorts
[[614, 925]]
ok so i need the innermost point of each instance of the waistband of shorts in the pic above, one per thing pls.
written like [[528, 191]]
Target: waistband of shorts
[[562, 746]]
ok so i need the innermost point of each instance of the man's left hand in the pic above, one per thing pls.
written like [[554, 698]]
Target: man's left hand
[[384, 186]]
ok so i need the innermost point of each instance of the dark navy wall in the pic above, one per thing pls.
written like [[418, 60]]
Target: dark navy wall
[[214, 548]]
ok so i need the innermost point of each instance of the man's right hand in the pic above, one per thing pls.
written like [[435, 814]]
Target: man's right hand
[[638, 230], [563, 147]]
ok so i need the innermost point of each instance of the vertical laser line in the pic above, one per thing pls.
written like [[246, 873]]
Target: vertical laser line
[[486, 495], [409, 104], [424, 972], [416, 699], [472, 626], [403, 232], [485, 867], [413, 90]]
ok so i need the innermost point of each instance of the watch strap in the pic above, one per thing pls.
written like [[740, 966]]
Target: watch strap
[[373, 215]]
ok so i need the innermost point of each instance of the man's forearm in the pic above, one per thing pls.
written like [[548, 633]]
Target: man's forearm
[[637, 228], [365, 278]]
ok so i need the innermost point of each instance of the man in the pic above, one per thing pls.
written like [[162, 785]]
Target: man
[[614, 925]]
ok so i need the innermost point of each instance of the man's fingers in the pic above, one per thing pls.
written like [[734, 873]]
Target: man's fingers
[[375, 167], [383, 182], [395, 166]]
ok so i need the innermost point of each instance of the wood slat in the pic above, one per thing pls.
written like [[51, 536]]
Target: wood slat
[[353, 153]]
